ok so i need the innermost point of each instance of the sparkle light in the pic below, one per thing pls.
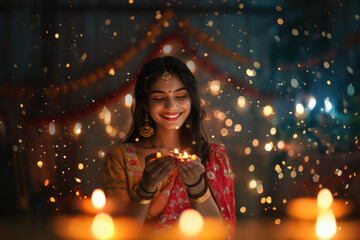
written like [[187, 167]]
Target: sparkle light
[[77, 128], [191, 222], [251, 72], [324, 199], [268, 110], [269, 146], [237, 128], [252, 184], [273, 131], [215, 87], [326, 224], [242, 101], [128, 100], [52, 128], [98, 198], [40, 164], [350, 90], [191, 65], [300, 109], [103, 226], [167, 48], [312, 103], [328, 105]]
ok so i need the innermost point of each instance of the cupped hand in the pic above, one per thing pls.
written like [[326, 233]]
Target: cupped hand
[[191, 171], [156, 169]]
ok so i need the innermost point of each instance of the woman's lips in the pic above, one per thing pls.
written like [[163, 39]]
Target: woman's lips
[[172, 117]]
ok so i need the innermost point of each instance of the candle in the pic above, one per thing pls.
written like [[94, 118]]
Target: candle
[[158, 154]]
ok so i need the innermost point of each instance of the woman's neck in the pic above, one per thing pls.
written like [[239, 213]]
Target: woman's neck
[[167, 139]]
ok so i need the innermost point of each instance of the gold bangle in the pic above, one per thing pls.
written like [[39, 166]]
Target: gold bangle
[[201, 199], [137, 198]]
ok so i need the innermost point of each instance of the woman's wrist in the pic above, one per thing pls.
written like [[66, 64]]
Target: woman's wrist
[[197, 189]]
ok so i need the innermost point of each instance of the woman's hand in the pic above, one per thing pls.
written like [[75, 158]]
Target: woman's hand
[[191, 171], [156, 169]]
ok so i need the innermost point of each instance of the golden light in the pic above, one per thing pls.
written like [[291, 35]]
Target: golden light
[[186, 155], [273, 131], [80, 166], [193, 157], [191, 65], [215, 87], [326, 224], [46, 183], [98, 199], [176, 151], [52, 128], [268, 110], [252, 184], [243, 209], [269, 146], [241, 101], [247, 151], [128, 100], [324, 199], [57, 35], [281, 144], [107, 117], [158, 154], [237, 128], [228, 122], [112, 72], [191, 222], [300, 109], [77, 129], [224, 132], [255, 142], [103, 226], [251, 72], [40, 164], [167, 48]]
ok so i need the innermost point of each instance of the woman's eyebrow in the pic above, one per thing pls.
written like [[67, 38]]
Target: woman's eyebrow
[[158, 91]]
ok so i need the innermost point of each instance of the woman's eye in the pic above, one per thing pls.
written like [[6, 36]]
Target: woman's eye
[[158, 99], [180, 97]]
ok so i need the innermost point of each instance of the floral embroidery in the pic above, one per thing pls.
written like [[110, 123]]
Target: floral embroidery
[[132, 162]]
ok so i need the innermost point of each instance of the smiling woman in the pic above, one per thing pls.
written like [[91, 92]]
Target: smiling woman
[[144, 171]]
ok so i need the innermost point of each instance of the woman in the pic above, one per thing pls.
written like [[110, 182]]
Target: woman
[[168, 114]]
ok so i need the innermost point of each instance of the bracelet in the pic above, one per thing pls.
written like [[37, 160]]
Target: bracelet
[[137, 198], [145, 191], [198, 200], [195, 184]]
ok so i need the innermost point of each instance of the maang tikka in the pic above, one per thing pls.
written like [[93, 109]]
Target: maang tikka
[[166, 75], [146, 130]]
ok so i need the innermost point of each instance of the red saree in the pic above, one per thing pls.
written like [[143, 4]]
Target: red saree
[[122, 171]]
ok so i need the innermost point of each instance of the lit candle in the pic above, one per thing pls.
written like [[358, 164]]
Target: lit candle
[[193, 157], [158, 154]]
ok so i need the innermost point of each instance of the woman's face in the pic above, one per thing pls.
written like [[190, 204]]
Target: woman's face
[[169, 103]]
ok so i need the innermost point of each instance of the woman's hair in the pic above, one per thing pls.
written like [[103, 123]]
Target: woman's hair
[[192, 132]]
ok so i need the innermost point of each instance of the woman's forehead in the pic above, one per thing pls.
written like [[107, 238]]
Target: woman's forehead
[[173, 83]]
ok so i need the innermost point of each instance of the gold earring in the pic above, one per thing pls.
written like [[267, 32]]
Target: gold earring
[[146, 130]]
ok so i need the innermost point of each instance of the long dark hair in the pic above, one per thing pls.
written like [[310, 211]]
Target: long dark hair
[[192, 132]]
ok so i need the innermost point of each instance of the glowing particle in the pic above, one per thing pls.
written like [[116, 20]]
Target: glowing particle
[[251, 72], [128, 100], [46, 183], [251, 168], [191, 222], [80, 166], [52, 199], [241, 101], [67, 65], [326, 64], [167, 48], [247, 151], [237, 128], [101, 154], [102, 226], [328, 105], [78, 180], [294, 83], [52, 128], [107, 22], [40, 164], [350, 90], [268, 146], [77, 129], [315, 177], [224, 132], [210, 23], [273, 131], [191, 65], [215, 87], [312, 103], [252, 184], [112, 72], [293, 174], [280, 21], [57, 35], [255, 142], [243, 209], [295, 32], [300, 109], [98, 198], [277, 221], [268, 110], [228, 122], [257, 65]]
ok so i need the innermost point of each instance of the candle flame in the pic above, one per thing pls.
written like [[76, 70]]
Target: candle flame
[[186, 155], [158, 154], [326, 224], [324, 199], [191, 222], [176, 151], [193, 157], [103, 226], [98, 199]]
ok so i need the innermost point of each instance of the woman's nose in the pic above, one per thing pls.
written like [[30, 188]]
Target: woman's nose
[[171, 104]]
